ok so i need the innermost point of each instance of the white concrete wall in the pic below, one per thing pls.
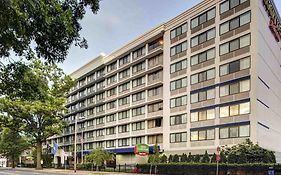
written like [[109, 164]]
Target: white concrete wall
[[268, 61]]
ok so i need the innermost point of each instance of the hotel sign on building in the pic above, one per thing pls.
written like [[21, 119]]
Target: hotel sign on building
[[275, 23]]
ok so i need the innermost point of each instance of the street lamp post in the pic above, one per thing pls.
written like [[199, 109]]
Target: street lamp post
[[75, 142]]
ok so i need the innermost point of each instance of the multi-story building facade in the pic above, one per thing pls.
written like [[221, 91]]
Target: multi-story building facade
[[208, 77]]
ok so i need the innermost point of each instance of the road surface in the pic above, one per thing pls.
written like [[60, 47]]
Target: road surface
[[30, 171]]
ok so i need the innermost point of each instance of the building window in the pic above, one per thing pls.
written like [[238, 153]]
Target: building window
[[138, 96], [230, 4], [100, 132], [138, 140], [100, 120], [203, 115], [138, 53], [178, 66], [234, 88], [124, 128], [100, 73], [111, 118], [178, 31], [124, 114], [111, 105], [155, 107], [235, 23], [124, 74], [203, 37], [139, 67], [138, 81], [178, 101], [235, 66], [155, 60], [124, 87], [155, 139], [155, 91], [177, 84], [111, 79], [235, 44], [178, 48], [203, 57], [110, 143], [178, 137], [123, 142], [155, 123], [202, 135], [100, 84], [100, 108], [111, 92], [138, 126], [110, 131], [235, 132], [154, 76], [138, 111], [204, 17], [124, 101], [91, 77], [124, 60], [203, 95], [112, 66], [233, 110], [178, 119], [203, 76]]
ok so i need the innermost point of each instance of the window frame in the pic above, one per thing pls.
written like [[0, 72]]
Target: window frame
[[202, 14]]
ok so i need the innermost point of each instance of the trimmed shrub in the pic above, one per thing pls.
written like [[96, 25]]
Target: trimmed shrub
[[205, 158]]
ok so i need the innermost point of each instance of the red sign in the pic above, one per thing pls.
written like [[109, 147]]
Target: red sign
[[274, 30], [218, 157]]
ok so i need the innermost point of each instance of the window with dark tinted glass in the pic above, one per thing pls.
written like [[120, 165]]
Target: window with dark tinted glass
[[178, 31], [206, 16]]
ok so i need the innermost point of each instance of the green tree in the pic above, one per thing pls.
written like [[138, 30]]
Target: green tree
[[176, 158], [205, 158], [155, 157], [223, 157], [12, 144], [197, 158], [214, 158], [33, 97], [248, 152], [163, 159], [190, 158], [170, 159], [98, 157], [50, 27], [183, 157]]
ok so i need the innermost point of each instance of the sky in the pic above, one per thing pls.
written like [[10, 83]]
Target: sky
[[121, 21]]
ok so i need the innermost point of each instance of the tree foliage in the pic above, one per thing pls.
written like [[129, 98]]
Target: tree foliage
[[163, 159], [248, 152], [51, 27], [205, 158], [197, 158], [12, 144], [32, 98], [98, 157], [183, 157]]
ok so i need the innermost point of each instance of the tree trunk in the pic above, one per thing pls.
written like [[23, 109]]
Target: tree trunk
[[39, 155], [97, 168], [13, 163]]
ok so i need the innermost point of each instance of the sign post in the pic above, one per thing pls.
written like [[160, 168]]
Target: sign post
[[218, 158]]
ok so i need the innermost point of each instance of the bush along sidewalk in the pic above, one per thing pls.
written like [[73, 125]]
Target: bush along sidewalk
[[208, 168]]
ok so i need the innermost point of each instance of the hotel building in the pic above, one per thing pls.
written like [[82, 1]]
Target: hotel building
[[208, 77]]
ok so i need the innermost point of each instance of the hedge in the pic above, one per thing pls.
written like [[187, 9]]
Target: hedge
[[208, 169]]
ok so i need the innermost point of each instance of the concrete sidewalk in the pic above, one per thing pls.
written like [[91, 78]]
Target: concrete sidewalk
[[68, 172]]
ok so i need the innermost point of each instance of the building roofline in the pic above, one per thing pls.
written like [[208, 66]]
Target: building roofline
[[139, 40]]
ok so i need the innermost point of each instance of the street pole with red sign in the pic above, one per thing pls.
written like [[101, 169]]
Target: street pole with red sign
[[218, 158]]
